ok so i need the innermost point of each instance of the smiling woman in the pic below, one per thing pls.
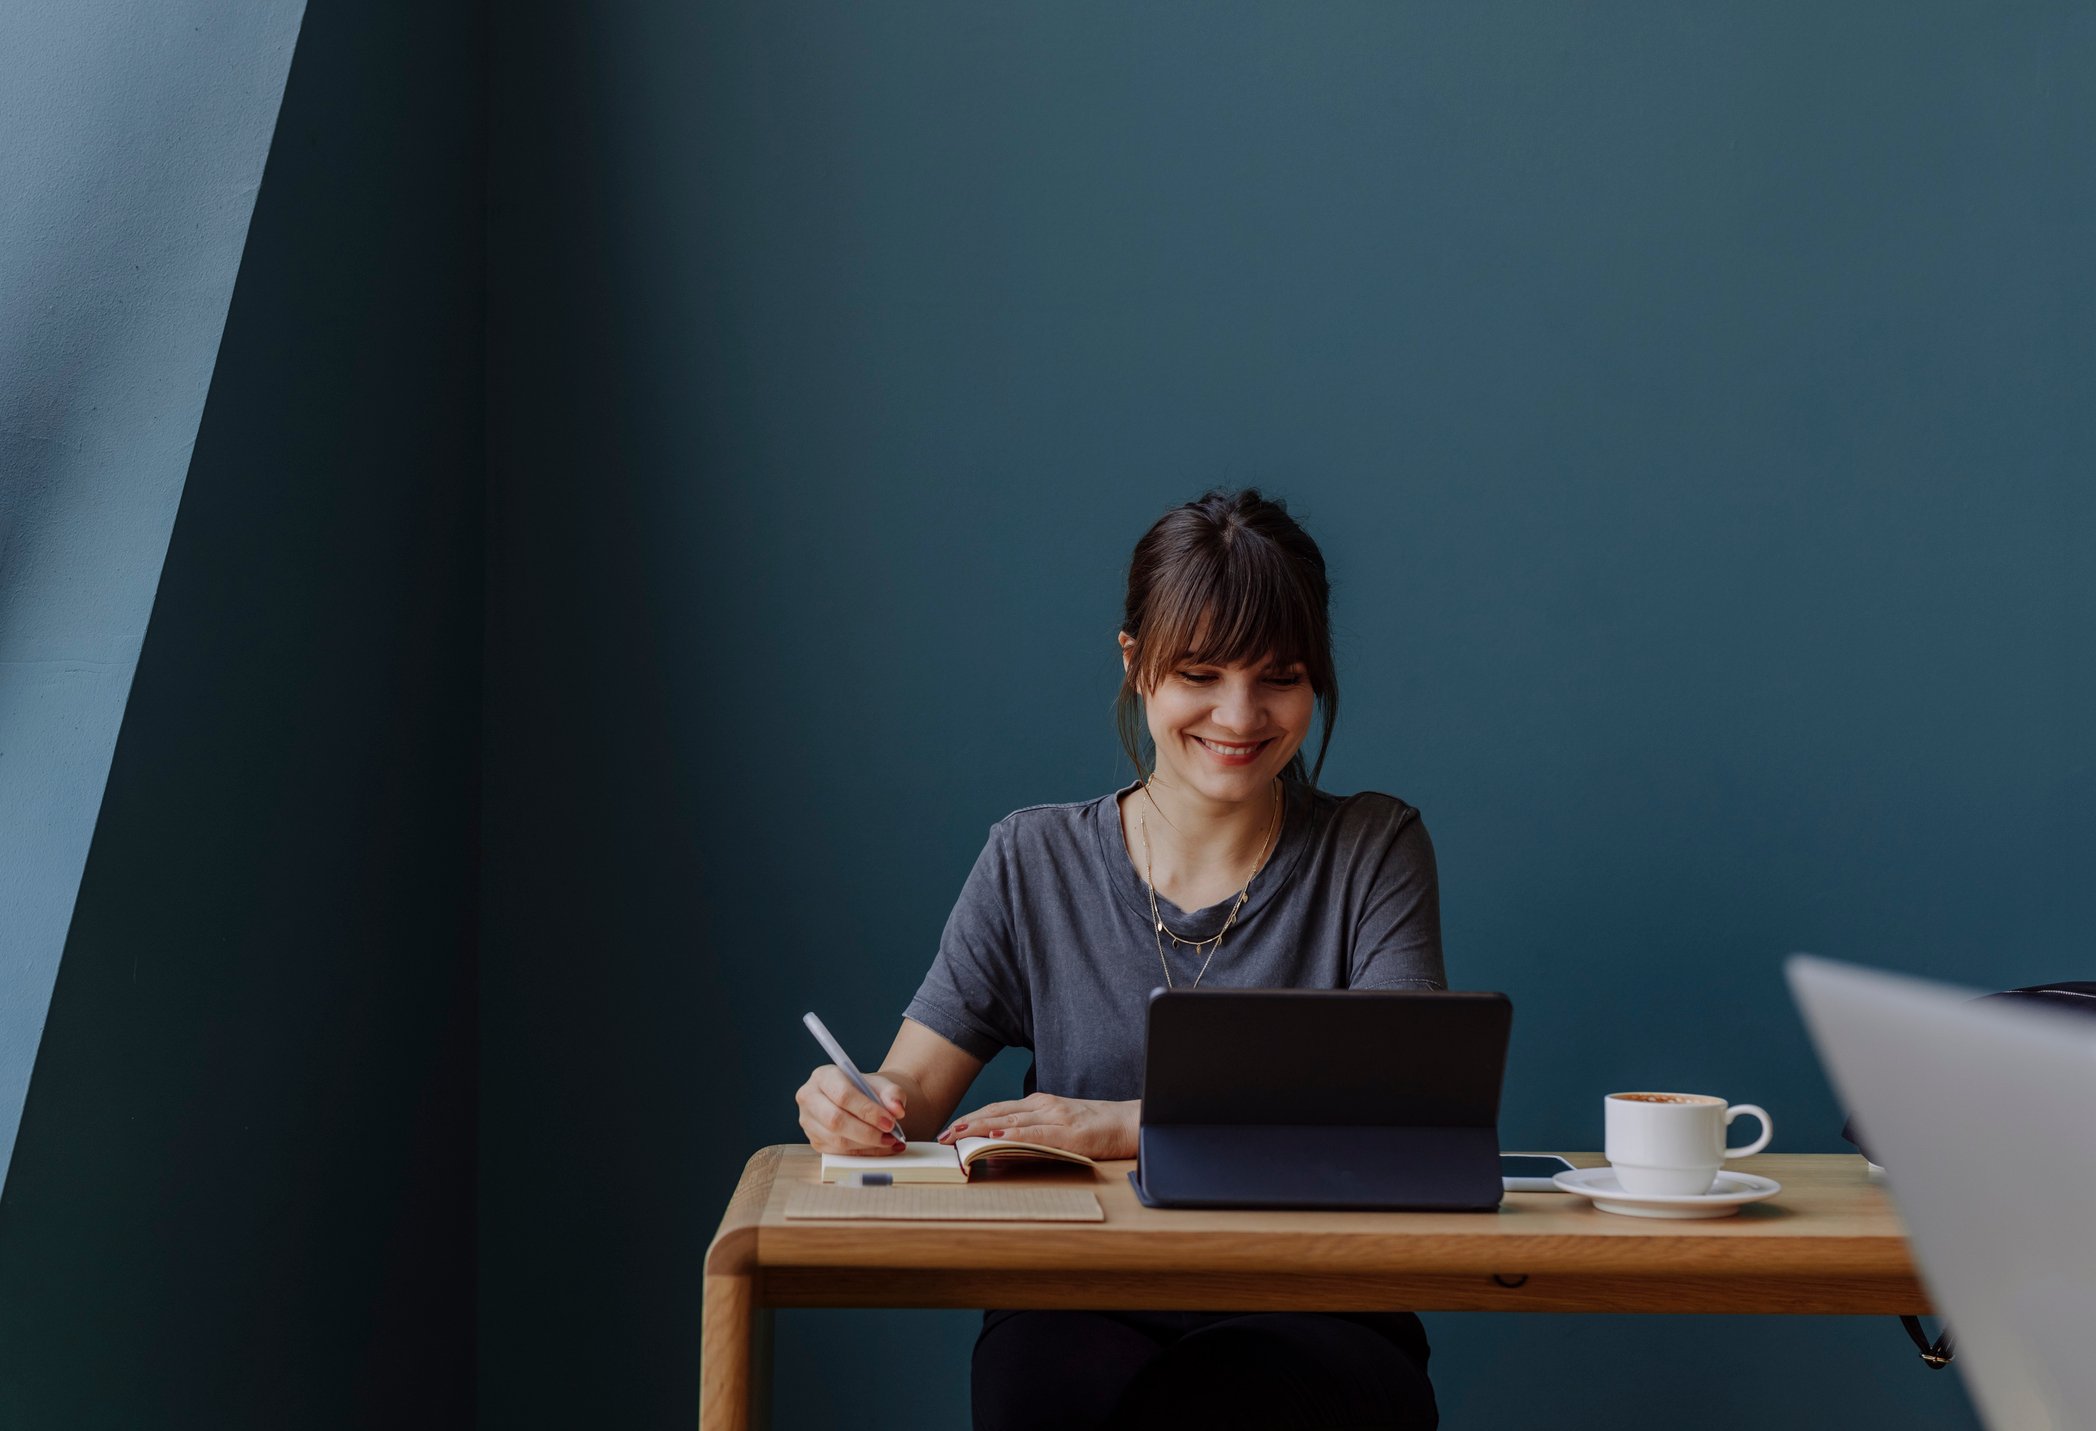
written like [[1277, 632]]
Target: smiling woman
[[1222, 861], [1227, 581]]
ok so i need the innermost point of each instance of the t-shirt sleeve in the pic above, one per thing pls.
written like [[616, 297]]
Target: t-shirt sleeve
[[975, 995], [1397, 940]]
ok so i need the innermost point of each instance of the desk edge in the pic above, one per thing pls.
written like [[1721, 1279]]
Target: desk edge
[[733, 1251]]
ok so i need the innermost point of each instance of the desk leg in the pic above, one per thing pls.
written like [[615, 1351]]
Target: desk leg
[[734, 1357]]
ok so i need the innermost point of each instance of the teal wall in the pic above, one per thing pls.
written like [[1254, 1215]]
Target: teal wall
[[1692, 403], [242, 1192]]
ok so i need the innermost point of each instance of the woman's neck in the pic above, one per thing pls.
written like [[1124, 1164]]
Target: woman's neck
[[1196, 841]]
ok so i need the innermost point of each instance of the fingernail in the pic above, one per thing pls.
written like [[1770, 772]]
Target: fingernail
[[958, 1126], [997, 1132]]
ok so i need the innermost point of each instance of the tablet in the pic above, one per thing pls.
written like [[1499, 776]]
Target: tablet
[[1322, 1098]]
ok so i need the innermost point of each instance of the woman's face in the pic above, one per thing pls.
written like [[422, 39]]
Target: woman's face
[[1227, 731]]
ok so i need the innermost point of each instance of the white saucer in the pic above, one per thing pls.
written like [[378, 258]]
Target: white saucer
[[1732, 1192]]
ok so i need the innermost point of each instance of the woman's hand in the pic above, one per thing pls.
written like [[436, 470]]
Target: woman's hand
[[838, 1118], [1091, 1126]]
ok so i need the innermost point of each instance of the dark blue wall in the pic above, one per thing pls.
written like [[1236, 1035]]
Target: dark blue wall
[[1693, 405], [242, 1194]]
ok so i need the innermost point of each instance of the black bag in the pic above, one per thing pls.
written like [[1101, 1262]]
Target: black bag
[[2076, 998]]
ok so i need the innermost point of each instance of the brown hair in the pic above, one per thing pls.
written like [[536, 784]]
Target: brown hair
[[1223, 580]]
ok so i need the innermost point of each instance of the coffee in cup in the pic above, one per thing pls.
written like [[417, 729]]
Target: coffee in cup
[[1672, 1144]]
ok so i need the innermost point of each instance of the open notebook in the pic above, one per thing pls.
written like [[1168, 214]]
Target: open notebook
[[944, 1162]]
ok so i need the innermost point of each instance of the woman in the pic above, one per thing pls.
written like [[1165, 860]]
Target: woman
[[1223, 865]]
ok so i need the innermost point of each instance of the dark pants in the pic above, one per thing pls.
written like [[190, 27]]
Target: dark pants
[[1317, 1371]]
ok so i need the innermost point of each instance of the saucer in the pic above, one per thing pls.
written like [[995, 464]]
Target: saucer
[[1732, 1192]]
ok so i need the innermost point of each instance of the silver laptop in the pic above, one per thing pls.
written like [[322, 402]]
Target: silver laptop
[[1984, 1116]]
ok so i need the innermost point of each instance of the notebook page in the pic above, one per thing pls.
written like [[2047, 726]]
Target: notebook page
[[973, 1149]]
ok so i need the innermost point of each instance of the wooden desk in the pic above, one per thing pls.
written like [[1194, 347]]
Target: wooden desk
[[1829, 1242]]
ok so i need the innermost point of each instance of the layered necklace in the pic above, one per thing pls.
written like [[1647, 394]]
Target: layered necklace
[[1214, 942]]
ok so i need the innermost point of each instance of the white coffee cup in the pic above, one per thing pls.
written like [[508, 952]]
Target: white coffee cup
[[1672, 1144]]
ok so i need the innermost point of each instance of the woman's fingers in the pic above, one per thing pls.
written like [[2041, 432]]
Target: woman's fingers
[[845, 1094], [1005, 1125], [845, 1126], [986, 1116], [976, 1124], [838, 1118], [824, 1136], [894, 1102], [825, 1142]]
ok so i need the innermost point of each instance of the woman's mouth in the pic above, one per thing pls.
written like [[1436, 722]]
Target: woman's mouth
[[1233, 754]]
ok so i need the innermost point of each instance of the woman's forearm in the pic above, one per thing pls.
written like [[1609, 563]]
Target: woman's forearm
[[920, 1120], [933, 1075]]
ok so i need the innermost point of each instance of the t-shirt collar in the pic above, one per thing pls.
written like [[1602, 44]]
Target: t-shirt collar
[[1202, 924]]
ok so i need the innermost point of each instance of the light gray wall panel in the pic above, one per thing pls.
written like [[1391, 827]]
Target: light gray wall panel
[[135, 133]]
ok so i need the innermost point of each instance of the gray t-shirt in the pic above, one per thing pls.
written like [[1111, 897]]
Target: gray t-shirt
[[1050, 946]]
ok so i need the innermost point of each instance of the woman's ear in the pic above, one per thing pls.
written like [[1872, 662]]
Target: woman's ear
[[1127, 649]]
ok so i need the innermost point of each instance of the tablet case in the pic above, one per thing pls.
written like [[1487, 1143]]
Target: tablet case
[[1320, 1098]]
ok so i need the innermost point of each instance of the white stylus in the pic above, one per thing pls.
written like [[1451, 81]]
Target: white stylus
[[842, 1059]]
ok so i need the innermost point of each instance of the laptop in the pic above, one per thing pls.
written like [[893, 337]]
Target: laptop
[[1984, 1115], [1320, 1098]]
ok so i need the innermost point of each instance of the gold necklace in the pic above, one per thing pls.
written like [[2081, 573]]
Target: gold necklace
[[1158, 931]]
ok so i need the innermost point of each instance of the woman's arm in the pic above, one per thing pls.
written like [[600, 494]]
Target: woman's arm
[[932, 1073]]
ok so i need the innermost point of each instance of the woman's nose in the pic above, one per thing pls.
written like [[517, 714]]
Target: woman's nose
[[1237, 709]]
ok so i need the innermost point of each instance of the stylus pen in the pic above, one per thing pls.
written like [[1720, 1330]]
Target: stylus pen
[[842, 1059]]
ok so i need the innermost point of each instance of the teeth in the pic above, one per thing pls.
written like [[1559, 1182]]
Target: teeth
[[1229, 749]]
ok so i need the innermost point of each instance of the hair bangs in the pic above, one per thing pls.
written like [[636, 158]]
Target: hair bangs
[[1233, 606]]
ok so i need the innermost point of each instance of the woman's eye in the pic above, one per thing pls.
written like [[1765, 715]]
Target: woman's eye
[[1202, 678]]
